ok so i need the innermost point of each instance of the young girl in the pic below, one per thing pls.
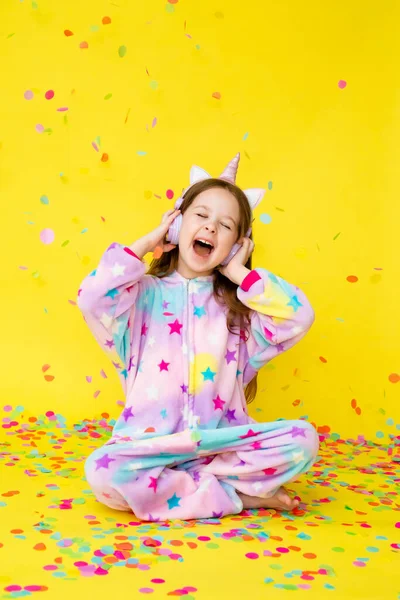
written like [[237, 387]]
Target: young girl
[[188, 338]]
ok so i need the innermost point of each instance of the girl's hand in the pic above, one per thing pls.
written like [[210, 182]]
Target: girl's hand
[[156, 238], [235, 269]]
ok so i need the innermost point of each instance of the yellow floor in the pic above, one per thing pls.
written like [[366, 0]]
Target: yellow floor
[[56, 540]]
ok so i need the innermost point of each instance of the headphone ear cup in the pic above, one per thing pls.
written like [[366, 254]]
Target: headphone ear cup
[[173, 231], [234, 250]]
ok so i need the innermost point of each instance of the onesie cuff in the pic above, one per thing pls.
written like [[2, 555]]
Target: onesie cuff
[[129, 251], [248, 281]]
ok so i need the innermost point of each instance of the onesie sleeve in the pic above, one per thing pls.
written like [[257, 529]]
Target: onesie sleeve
[[106, 298], [281, 316]]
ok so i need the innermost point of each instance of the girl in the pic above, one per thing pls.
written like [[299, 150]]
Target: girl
[[188, 338]]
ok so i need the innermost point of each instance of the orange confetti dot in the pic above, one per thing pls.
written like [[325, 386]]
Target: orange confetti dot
[[45, 368], [191, 545], [105, 415], [296, 402], [322, 359], [49, 377], [83, 45], [158, 251], [39, 546], [309, 555], [106, 20], [104, 157], [17, 531], [173, 1], [394, 377], [67, 32], [324, 429], [352, 278], [358, 410], [217, 95], [353, 403], [149, 430]]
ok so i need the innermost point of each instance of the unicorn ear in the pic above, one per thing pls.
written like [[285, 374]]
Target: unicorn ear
[[254, 196], [198, 174]]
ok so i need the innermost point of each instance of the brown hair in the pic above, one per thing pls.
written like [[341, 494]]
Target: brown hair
[[224, 289]]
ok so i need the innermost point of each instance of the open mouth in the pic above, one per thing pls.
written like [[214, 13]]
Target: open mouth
[[202, 248]]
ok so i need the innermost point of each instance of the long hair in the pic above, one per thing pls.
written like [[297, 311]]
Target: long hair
[[238, 316]]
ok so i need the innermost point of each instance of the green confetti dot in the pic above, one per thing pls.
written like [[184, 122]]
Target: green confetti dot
[[122, 50], [338, 549], [212, 546], [108, 96], [276, 567]]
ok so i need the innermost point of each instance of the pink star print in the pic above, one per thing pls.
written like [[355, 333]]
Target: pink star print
[[257, 445], [269, 471], [163, 366], [153, 484], [175, 327], [250, 433], [104, 461], [218, 403], [144, 329]]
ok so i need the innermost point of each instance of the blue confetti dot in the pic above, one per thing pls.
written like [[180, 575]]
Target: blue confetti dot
[[44, 200], [380, 434], [266, 219]]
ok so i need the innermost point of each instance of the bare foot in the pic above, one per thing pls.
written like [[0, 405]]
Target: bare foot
[[279, 501]]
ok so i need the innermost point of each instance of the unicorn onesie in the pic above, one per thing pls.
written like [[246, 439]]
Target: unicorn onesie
[[184, 445]]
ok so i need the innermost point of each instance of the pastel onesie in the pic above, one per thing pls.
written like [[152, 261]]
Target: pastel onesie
[[184, 445]]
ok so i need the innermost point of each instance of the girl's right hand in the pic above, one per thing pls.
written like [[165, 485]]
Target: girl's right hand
[[156, 238]]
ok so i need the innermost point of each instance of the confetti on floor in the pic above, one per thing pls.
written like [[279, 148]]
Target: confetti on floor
[[343, 541]]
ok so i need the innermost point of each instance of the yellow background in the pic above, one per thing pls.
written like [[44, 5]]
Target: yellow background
[[326, 155]]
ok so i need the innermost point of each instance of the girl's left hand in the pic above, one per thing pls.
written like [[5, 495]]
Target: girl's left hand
[[235, 265]]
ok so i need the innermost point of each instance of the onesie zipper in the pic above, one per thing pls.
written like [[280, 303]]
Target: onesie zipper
[[186, 402]]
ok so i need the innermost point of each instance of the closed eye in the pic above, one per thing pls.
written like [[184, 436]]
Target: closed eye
[[205, 217]]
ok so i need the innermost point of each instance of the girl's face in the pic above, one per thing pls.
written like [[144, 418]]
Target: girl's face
[[214, 217]]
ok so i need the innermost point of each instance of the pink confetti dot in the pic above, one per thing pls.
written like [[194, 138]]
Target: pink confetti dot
[[62, 109], [397, 525], [170, 194], [7, 408], [47, 236], [204, 538], [252, 555], [342, 84], [358, 563], [146, 590], [28, 95], [49, 413], [158, 580], [33, 588], [39, 128], [49, 94], [282, 550]]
